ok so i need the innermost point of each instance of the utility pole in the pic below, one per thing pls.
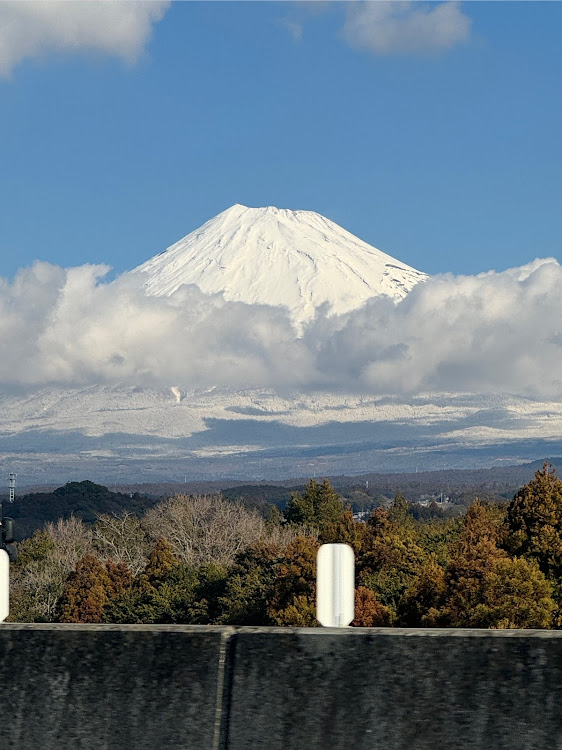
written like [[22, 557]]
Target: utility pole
[[7, 552], [12, 485]]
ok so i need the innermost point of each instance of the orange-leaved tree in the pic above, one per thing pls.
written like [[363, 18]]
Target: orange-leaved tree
[[89, 588]]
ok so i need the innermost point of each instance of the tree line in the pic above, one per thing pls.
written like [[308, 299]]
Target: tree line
[[207, 560]]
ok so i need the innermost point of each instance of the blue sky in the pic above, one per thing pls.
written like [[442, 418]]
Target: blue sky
[[444, 151]]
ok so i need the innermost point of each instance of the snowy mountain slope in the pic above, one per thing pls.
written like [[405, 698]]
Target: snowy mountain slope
[[115, 433], [296, 259], [178, 413]]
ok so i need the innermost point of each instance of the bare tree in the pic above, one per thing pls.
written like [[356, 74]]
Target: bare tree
[[121, 538], [46, 560], [204, 528], [282, 535], [72, 540]]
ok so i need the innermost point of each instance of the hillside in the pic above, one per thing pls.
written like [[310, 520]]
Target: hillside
[[87, 500]]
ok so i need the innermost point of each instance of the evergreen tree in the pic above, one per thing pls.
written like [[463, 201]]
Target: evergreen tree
[[319, 505], [160, 562], [473, 556], [369, 612], [293, 601], [399, 511], [390, 559], [420, 604], [250, 586], [534, 521], [487, 589], [345, 531], [515, 594]]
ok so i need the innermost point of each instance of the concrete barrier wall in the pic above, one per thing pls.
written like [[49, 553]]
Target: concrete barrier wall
[[65, 687], [72, 687]]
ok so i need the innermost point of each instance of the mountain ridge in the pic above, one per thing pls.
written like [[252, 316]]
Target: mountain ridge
[[294, 259]]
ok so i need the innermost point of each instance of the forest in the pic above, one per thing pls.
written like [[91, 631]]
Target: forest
[[207, 559]]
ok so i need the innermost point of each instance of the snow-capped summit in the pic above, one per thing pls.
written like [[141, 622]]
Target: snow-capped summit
[[274, 256]]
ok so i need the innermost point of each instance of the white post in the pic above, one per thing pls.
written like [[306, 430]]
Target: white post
[[335, 585], [4, 585]]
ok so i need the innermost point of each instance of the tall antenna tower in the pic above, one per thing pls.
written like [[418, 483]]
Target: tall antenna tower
[[12, 485]]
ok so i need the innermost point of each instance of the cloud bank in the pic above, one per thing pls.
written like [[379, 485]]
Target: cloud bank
[[387, 27], [35, 28], [495, 332]]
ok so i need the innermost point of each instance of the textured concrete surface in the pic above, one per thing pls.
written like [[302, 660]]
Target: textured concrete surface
[[396, 690], [65, 687], [96, 688]]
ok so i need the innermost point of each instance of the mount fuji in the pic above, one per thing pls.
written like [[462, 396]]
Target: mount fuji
[[270, 256], [284, 273]]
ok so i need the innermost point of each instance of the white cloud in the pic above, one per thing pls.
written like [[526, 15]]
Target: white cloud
[[34, 28], [401, 26], [66, 326], [495, 332], [294, 27], [491, 333]]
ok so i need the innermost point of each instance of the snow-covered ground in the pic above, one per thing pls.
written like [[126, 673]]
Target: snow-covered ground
[[173, 412], [114, 432]]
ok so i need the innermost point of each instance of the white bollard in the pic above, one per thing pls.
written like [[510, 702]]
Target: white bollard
[[4, 585], [335, 585]]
